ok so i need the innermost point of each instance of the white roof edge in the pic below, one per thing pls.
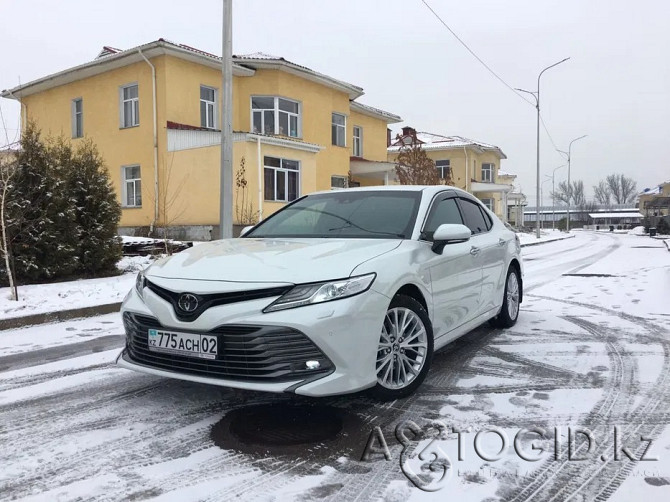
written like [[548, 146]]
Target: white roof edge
[[371, 111], [428, 146], [118, 60], [289, 143], [259, 63]]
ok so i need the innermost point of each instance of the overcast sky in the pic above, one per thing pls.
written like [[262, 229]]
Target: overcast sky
[[615, 88]]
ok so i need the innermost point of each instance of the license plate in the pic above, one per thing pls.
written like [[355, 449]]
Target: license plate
[[184, 344]]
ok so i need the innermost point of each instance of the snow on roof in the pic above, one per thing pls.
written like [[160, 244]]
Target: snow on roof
[[630, 214], [504, 173], [111, 57], [431, 141], [390, 118]]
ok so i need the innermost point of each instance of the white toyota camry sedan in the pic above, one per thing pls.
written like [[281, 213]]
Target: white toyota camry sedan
[[337, 292]]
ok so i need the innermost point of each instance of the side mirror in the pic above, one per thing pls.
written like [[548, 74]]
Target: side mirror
[[449, 233], [245, 230]]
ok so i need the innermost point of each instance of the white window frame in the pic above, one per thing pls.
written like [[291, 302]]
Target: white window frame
[[339, 126], [488, 167], [135, 182], [209, 105], [489, 202], [441, 168], [358, 141], [285, 171], [277, 112], [77, 128], [335, 176], [135, 108]]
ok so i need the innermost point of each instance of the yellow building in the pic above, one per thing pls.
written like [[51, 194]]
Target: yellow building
[[471, 165], [655, 201], [154, 112]]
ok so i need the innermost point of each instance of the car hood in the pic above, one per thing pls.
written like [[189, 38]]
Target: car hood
[[271, 260]]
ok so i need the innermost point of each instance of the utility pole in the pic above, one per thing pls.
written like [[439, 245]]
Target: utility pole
[[536, 95], [226, 178], [553, 196], [569, 154]]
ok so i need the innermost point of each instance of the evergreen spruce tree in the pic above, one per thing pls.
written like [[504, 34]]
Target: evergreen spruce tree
[[43, 217], [97, 212]]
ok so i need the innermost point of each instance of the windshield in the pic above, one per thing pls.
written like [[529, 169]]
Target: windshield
[[345, 214]]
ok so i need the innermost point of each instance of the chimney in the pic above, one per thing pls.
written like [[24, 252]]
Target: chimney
[[408, 131], [388, 137]]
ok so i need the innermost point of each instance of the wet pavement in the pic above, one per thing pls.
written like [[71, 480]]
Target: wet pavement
[[587, 352]]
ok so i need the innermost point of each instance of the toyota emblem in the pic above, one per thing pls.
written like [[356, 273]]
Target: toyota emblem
[[188, 302]]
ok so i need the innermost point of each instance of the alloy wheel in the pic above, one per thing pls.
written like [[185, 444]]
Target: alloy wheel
[[403, 348]]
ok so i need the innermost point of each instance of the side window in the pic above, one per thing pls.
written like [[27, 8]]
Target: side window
[[444, 211], [474, 218]]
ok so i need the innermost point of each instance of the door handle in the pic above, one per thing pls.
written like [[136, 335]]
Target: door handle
[[501, 242], [474, 251]]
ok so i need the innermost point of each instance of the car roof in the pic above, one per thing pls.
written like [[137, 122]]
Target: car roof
[[428, 190]]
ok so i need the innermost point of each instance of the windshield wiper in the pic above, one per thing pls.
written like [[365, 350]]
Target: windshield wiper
[[349, 224]]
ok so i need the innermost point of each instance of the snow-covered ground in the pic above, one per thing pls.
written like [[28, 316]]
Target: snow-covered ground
[[40, 298], [546, 235], [591, 350]]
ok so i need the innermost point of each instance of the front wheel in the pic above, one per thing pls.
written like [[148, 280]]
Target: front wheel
[[405, 349], [509, 312]]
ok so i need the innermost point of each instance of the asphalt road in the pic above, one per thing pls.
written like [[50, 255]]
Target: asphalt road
[[591, 350]]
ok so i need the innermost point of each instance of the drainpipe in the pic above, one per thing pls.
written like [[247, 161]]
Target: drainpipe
[[153, 92], [260, 178], [467, 169], [24, 111]]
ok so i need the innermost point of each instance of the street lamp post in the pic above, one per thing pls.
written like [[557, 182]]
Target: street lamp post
[[569, 153], [542, 194], [553, 196], [536, 95]]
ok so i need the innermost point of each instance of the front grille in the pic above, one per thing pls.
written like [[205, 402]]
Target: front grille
[[214, 299], [246, 353]]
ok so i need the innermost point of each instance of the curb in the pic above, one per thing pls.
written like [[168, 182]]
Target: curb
[[547, 242], [63, 315]]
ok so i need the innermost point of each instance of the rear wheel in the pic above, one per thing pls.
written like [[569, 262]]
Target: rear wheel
[[509, 312], [405, 349]]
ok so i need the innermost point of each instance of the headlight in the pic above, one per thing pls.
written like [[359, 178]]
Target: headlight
[[140, 282], [307, 294]]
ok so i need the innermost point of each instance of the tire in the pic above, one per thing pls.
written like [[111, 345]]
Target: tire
[[397, 355], [508, 316]]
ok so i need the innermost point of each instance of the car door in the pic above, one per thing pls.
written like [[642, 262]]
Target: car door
[[455, 274], [486, 246]]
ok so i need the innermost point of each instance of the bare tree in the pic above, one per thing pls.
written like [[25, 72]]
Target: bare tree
[[414, 167], [244, 207], [622, 188], [602, 193], [171, 206], [573, 194], [8, 167]]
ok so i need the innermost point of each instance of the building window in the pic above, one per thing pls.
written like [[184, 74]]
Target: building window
[[358, 141], [282, 179], [77, 118], [489, 203], [339, 123], [207, 107], [272, 115], [132, 186], [487, 172], [130, 106], [338, 182], [443, 168]]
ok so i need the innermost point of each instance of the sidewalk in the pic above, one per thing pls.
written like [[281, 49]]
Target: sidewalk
[[46, 303], [529, 239]]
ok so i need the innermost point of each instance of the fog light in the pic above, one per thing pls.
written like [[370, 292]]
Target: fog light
[[312, 365]]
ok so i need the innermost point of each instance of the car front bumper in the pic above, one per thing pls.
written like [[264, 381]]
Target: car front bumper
[[345, 332]]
